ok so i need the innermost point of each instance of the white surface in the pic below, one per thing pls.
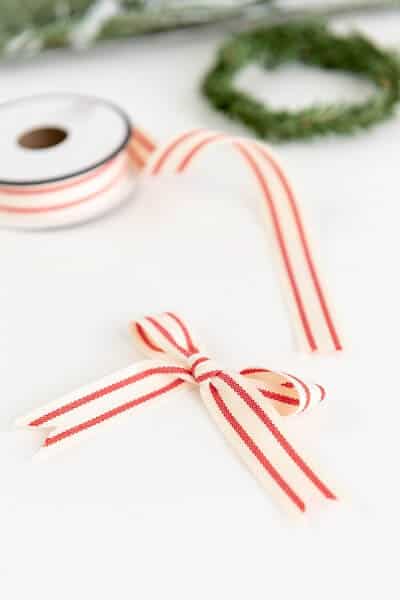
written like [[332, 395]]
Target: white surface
[[159, 507]]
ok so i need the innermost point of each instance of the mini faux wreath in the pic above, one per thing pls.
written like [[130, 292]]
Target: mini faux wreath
[[312, 44]]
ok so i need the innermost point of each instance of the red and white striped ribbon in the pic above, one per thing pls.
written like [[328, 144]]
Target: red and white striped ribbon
[[248, 407], [311, 312]]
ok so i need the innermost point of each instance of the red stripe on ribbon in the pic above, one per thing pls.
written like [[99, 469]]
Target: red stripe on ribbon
[[56, 187], [279, 397], [305, 246], [190, 155], [55, 207], [143, 139], [146, 339], [323, 392], [168, 336], [254, 371], [282, 246], [190, 344], [199, 361], [135, 157], [170, 149], [306, 391]]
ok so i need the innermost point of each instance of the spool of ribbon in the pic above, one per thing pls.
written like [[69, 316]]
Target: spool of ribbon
[[248, 407], [66, 159]]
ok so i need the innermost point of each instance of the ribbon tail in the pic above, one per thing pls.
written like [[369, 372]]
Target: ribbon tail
[[90, 408], [140, 148], [258, 437]]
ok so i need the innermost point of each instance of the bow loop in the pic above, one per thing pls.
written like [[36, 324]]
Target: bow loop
[[288, 394], [168, 334], [164, 334]]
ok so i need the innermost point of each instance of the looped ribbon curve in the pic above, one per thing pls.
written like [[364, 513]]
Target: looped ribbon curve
[[248, 407], [312, 316]]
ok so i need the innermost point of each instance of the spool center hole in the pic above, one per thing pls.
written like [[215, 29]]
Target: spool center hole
[[42, 137]]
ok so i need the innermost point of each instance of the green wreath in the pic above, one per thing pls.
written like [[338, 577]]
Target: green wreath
[[311, 44]]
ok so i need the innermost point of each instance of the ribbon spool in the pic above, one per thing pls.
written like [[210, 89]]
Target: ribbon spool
[[66, 159]]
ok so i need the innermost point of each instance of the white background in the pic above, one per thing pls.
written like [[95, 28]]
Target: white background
[[158, 507]]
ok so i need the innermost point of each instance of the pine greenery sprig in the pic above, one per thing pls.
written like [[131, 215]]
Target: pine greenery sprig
[[312, 44]]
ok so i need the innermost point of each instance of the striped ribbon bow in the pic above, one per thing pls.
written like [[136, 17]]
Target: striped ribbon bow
[[248, 407]]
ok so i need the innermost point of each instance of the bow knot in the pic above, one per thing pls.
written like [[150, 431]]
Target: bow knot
[[202, 368]]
